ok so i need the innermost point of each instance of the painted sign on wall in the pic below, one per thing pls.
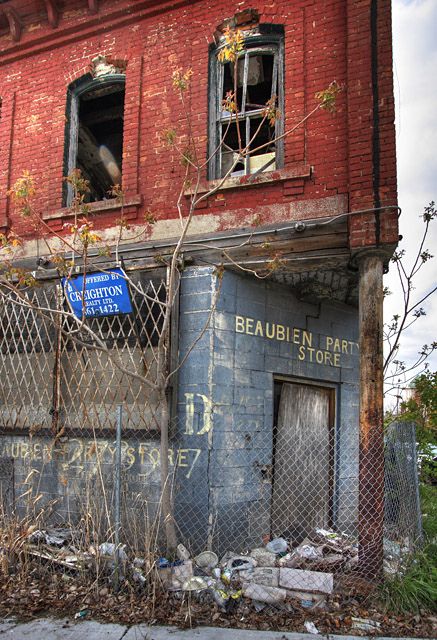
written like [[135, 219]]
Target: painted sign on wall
[[326, 351], [104, 294]]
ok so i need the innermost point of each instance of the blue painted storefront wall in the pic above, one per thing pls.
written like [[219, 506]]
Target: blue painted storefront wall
[[225, 402]]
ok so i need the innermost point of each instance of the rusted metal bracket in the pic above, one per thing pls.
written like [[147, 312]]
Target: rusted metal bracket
[[52, 12], [15, 25], [93, 6]]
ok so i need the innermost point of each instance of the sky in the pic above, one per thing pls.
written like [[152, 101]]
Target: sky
[[415, 89]]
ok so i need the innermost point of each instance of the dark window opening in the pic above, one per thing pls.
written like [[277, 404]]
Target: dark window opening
[[95, 136], [258, 84], [100, 144]]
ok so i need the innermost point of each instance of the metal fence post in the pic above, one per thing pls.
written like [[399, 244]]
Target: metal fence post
[[117, 496]]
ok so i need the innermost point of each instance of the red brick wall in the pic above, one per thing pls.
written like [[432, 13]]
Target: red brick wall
[[324, 41]]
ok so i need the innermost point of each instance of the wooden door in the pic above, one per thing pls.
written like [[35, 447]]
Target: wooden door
[[302, 471]]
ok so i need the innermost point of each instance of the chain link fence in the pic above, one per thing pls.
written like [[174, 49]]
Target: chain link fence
[[270, 508]]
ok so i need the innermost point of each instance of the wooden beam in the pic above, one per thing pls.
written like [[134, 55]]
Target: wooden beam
[[371, 460], [14, 22], [52, 12]]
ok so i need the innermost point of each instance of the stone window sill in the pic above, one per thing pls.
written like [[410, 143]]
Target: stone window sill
[[297, 171], [98, 207]]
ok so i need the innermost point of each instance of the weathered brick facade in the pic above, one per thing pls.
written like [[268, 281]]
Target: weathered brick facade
[[348, 157]]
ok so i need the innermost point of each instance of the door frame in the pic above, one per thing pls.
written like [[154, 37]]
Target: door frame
[[334, 403]]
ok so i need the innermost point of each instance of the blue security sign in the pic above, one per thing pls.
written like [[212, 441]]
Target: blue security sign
[[105, 294]]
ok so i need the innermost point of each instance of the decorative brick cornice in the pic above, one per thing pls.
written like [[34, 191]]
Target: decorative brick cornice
[[100, 15]]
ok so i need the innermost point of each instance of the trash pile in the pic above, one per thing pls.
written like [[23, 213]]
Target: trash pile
[[267, 575], [271, 574], [280, 585], [63, 547], [58, 546]]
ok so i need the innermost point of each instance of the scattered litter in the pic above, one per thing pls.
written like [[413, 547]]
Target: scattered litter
[[395, 554], [175, 574], [194, 583], [54, 537], [365, 624], [137, 576], [263, 557], [220, 597], [309, 552], [47, 554], [322, 550], [163, 563], [227, 556], [81, 614], [226, 598], [311, 627], [226, 576], [206, 560], [307, 603], [109, 549], [138, 562], [268, 576], [182, 552], [306, 599], [278, 545], [241, 563]]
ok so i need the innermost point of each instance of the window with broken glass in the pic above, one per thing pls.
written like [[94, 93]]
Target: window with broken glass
[[259, 84], [94, 134]]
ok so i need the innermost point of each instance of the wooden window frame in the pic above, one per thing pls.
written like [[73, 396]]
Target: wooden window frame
[[78, 88], [270, 39]]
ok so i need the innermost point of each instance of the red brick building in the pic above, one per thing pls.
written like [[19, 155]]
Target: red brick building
[[89, 83]]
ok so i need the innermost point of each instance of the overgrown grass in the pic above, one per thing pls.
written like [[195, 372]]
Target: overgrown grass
[[416, 588]]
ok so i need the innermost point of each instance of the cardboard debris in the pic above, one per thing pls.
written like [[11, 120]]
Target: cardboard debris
[[268, 576], [260, 593], [301, 580]]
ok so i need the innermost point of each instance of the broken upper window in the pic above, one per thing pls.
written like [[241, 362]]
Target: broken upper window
[[94, 134], [256, 89]]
